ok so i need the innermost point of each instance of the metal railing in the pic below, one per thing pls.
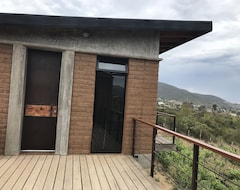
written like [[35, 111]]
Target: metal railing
[[170, 116], [196, 144]]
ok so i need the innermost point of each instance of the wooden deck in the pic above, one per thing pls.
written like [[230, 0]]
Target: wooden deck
[[95, 171]]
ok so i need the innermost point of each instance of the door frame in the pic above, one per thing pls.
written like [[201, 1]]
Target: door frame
[[39, 128], [17, 97]]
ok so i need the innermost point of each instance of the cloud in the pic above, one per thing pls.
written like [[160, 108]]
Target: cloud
[[211, 74], [211, 63]]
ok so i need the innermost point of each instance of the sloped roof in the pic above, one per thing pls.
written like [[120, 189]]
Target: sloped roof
[[172, 32]]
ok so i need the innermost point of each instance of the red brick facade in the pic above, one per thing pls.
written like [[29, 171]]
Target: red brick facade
[[141, 95], [5, 77], [82, 104]]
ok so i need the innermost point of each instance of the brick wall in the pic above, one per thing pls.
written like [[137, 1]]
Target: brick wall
[[82, 104], [5, 75], [141, 95]]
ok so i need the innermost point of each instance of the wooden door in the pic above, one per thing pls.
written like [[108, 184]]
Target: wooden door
[[41, 100]]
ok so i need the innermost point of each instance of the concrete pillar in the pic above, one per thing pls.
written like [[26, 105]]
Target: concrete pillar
[[64, 102], [16, 101]]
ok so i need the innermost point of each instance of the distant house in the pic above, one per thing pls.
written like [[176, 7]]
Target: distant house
[[160, 103], [71, 85]]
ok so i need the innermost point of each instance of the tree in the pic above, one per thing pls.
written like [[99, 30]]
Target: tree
[[214, 108]]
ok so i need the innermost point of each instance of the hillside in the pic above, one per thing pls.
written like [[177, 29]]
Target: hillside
[[169, 92]]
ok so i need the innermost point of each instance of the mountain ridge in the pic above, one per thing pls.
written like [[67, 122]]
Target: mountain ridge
[[170, 92]]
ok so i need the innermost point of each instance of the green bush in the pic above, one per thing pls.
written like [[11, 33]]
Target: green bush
[[179, 166]]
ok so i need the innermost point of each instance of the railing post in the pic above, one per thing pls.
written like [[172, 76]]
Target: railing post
[[157, 118], [174, 128], [153, 151], [195, 167], [133, 139]]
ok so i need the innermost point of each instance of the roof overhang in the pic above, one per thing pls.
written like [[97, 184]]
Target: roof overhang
[[172, 33]]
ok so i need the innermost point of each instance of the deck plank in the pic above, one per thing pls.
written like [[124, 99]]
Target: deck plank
[[68, 182], [77, 180], [122, 171], [86, 183], [60, 173], [34, 175], [27, 171], [92, 173], [14, 177], [4, 178], [135, 179], [3, 160], [100, 173], [96, 171], [43, 173], [111, 180], [120, 181], [147, 180], [49, 183], [8, 162]]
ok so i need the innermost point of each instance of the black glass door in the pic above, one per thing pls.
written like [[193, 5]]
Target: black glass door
[[108, 112]]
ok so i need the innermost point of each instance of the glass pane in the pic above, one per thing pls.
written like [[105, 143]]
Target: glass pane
[[111, 67], [108, 113]]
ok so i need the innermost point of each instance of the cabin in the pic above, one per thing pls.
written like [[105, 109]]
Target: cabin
[[71, 85]]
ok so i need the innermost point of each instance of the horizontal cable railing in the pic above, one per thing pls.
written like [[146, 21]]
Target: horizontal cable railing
[[159, 114], [196, 144]]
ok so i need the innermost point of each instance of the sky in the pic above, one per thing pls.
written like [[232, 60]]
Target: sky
[[209, 64]]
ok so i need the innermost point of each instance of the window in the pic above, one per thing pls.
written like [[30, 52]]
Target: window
[[118, 65]]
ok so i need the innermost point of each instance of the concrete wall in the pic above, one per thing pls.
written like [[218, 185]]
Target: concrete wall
[[16, 100], [5, 75], [64, 102], [135, 44]]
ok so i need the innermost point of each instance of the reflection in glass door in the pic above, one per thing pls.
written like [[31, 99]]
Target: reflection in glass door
[[108, 112]]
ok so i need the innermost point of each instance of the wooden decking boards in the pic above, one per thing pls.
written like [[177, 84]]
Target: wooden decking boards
[[87, 172]]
